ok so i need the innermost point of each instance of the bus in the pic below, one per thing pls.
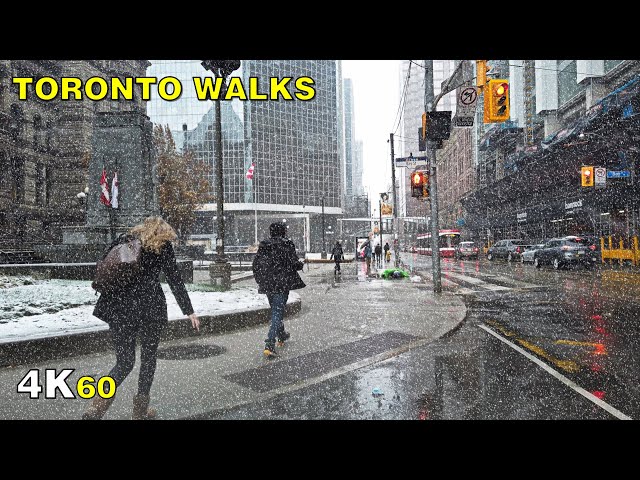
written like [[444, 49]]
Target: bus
[[447, 242]]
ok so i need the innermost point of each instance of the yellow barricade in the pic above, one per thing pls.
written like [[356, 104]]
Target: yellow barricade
[[620, 253]]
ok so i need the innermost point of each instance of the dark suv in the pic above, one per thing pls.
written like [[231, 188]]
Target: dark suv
[[561, 252], [510, 249]]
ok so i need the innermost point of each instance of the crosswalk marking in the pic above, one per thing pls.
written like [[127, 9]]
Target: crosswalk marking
[[480, 282]]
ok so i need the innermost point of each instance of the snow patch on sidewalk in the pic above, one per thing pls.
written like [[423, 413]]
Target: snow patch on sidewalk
[[50, 308]]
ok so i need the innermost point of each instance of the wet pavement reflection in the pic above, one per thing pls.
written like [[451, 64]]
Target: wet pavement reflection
[[583, 324]]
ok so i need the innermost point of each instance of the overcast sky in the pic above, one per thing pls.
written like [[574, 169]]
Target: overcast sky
[[376, 97]]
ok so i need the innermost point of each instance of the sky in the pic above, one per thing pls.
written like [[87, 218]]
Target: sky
[[376, 99]]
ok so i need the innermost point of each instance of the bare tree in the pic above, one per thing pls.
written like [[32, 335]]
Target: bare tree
[[184, 182]]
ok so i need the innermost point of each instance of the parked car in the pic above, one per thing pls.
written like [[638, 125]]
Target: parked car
[[565, 251], [466, 250], [527, 255], [510, 249], [588, 241]]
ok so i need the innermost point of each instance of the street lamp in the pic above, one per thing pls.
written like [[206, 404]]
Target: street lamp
[[220, 68]]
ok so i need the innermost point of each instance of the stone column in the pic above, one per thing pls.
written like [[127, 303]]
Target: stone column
[[122, 142]]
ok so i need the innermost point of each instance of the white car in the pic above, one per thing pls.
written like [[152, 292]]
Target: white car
[[527, 255]]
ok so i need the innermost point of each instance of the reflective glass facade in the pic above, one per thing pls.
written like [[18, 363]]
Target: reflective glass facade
[[293, 144]]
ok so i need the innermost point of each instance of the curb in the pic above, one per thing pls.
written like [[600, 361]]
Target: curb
[[63, 346]]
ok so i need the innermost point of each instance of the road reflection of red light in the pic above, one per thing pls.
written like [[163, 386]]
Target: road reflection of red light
[[601, 330], [423, 415], [599, 349], [596, 317], [598, 393], [596, 368]]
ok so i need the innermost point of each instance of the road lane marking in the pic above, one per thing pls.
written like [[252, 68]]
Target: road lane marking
[[588, 395]]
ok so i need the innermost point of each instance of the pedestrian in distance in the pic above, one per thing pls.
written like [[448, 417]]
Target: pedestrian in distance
[[337, 255], [378, 251], [368, 253], [387, 252], [139, 310], [275, 270]]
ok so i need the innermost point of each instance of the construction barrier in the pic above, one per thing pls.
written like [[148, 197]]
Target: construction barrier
[[620, 254]]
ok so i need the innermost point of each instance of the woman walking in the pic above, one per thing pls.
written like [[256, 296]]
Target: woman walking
[[141, 310]]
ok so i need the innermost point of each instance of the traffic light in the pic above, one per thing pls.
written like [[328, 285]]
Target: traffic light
[[496, 101], [221, 67], [417, 182], [424, 126], [481, 73], [422, 142], [587, 176]]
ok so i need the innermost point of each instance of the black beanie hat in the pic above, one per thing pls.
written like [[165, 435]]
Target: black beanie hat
[[278, 229]]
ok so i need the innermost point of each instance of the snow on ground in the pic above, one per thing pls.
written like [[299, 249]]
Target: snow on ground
[[31, 308]]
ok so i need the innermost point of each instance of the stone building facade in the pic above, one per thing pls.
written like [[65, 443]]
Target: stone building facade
[[45, 148]]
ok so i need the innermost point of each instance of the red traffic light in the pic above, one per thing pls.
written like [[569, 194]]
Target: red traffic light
[[417, 179], [501, 88], [587, 172]]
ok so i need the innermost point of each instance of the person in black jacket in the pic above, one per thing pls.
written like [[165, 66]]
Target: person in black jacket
[[337, 254], [141, 310], [275, 270]]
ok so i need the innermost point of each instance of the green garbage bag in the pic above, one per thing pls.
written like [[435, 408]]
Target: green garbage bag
[[391, 273]]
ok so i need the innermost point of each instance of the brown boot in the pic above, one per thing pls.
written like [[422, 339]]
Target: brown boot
[[141, 410], [98, 408]]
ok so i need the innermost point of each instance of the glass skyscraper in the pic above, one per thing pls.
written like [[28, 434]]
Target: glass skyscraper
[[293, 144]]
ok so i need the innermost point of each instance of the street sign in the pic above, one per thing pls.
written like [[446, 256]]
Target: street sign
[[411, 162], [463, 121], [466, 101], [618, 174], [600, 175]]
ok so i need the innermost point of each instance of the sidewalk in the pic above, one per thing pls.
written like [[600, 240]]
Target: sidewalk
[[345, 322]]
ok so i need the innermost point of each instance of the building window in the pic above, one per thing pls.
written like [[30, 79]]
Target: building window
[[17, 174], [16, 121], [37, 130], [41, 184], [568, 86], [48, 136]]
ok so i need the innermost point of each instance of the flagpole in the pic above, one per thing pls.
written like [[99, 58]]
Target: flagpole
[[255, 207]]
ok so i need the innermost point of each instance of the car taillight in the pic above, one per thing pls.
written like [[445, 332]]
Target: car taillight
[[565, 248], [517, 249], [592, 247], [475, 249]]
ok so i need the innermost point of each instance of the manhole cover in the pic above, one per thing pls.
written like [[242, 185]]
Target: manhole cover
[[190, 352]]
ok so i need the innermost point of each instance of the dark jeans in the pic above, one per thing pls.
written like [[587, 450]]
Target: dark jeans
[[124, 342], [278, 302], [337, 265]]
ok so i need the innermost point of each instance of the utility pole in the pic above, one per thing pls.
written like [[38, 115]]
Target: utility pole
[[394, 203], [430, 106]]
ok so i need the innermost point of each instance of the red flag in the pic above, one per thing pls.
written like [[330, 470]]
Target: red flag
[[104, 189], [250, 172]]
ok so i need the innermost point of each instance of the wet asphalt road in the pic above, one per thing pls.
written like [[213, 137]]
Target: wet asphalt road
[[582, 325]]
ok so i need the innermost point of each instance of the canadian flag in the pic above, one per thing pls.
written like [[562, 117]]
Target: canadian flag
[[104, 189], [250, 172], [114, 190]]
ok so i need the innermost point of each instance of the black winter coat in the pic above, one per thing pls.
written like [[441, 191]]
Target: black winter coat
[[145, 301], [276, 265], [337, 253]]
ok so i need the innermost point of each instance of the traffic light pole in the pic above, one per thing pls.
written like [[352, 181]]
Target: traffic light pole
[[430, 106], [394, 203]]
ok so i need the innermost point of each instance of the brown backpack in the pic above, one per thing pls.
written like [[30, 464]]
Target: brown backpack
[[119, 268]]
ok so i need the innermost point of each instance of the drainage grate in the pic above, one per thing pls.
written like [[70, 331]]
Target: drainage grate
[[190, 352]]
